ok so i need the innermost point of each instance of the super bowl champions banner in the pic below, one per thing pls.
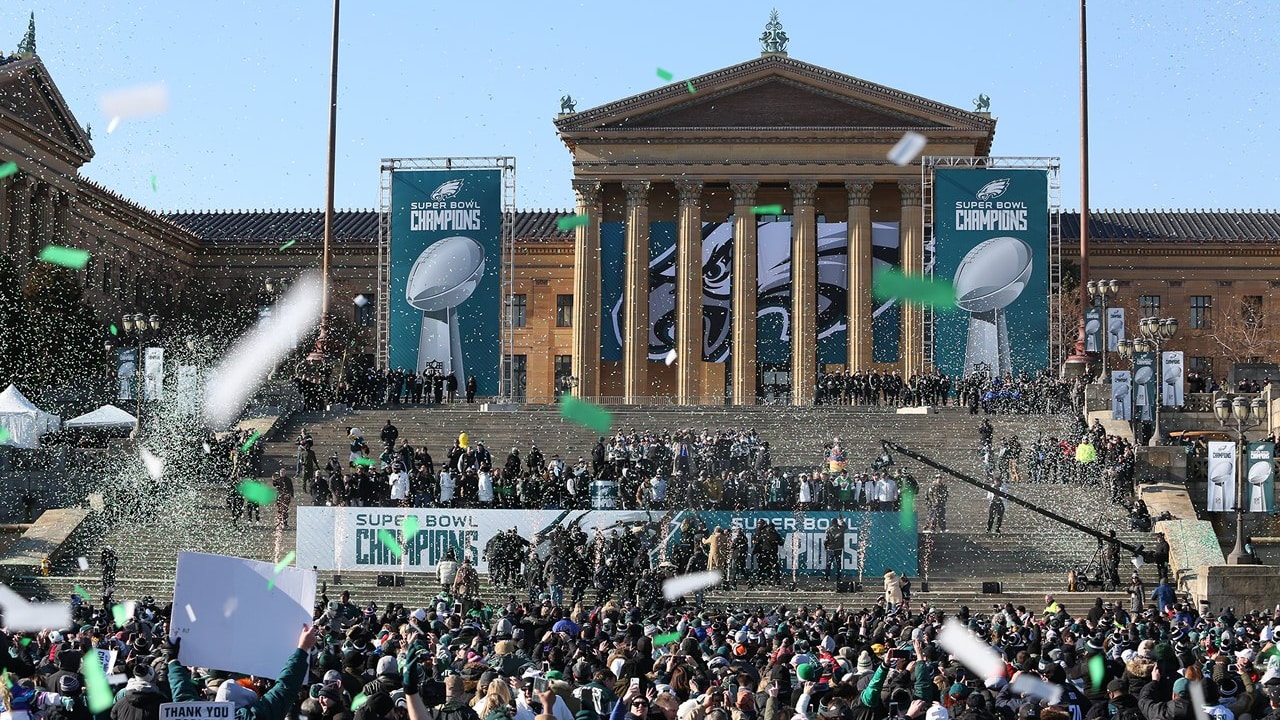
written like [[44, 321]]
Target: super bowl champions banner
[[1121, 395], [1260, 474], [1222, 477], [446, 244], [126, 372], [338, 539], [991, 239], [154, 374], [1171, 375], [1093, 329], [1144, 386], [1115, 328]]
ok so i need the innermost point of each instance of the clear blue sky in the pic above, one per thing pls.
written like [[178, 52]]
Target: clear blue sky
[[1184, 112]]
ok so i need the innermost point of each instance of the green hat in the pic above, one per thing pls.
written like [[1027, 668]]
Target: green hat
[[807, 673]]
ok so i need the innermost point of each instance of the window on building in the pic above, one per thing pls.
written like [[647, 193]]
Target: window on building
[[563, 370], [518, 305], [1200, 307], [1149, 305], [1251, 310], [515, 368], [564, 311], [139, 290], [1200, 364], [365, 311]]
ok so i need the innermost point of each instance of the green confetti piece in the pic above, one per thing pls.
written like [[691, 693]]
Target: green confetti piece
[[569, 222], [83, 593], [119, 614], [249, 443], [284, 562], [95, 682], [4, 435], [114, 330], [766, 210], [585, 414], [916, 289], [74, 258], [358, 702], [288, 245], [1097, 671], [409, 527], [8, 169], [386, 538], [26, 642], [907, 510], [667, 639], [154, 187], [367, 462], [665, 75], [689, 84], [256, 492]]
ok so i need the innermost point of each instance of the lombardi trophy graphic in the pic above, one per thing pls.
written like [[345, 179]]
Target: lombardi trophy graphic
[[990, 277], [1258, 474], [442, 278]]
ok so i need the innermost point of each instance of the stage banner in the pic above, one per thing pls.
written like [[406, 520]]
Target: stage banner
[[1144, 386], [126, 372], [1093, 329], [991, 239], [773, 285], [446, 261], [1260, 475], [1222, 477], [1172, 376], [1115, 328], [338, 539], [613, 274], [1121, 395], [717, 291], [773, 293], [153, 375], [833, 293], [886, 313], [662, 289]]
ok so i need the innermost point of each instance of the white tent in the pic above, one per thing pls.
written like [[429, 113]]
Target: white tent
[[107, 416], [22, 421]]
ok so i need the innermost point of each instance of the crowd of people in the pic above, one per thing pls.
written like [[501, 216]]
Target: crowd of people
[[368, 387], [1023, 393]]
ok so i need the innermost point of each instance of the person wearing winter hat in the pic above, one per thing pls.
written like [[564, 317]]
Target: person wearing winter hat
[[1153, 707], [273, 705]]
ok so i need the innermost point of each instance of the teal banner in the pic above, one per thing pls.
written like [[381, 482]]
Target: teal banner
[[445, 266], [613, 275], [1260, 473], [991, 235], [886, 315], [1144, 386]]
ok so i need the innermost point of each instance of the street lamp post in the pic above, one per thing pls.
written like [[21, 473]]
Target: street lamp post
[[1246, 415], [138, 325], [1155, 332], [1102, 291]]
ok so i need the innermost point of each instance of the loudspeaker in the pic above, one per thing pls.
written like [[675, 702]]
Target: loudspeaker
[[386, 580], [991, 588]]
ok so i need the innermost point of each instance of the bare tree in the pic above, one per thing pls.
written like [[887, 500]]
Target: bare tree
[[1245, 332]]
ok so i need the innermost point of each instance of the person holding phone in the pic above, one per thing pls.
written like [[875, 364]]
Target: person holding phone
[[634, 706]]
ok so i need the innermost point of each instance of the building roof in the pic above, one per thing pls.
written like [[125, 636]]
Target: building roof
[[1176, 225], [271, 226]]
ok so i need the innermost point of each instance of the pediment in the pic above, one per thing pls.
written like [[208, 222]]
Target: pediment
[[30, 101]]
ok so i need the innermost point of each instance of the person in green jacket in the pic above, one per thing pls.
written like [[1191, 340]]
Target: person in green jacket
[[278, 701]]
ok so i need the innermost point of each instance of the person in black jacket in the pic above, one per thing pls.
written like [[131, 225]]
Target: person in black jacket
[[1153, 705]]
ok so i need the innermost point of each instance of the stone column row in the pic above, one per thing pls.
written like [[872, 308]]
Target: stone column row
[[586, 290]]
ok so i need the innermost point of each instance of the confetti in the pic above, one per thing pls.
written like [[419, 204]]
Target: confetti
[[914, 289], [689, 84], [970, 650], [905, 151], [138, 101], [766, 210], [21, 616], [1198, 700], [358, 702], [74, 258], [120, 615], [95, 682], [386, 538], [367, 462], [83, 562], [191, 614], [693, 582], [907, 510], [569, 222], [114, 330], [4, 435], [664, 74], [1036, 688], [1097, 672], [585, 414], [361, 301], [257, 353], [670, 358], [26, 641], [111, 126], [256, 492], [288, 245], [153, 464], [409, 526], [284, 562], [230, 606], [249, 443], [154, 187], [8, 169], [667, 639], [83, 593], [207, 449]]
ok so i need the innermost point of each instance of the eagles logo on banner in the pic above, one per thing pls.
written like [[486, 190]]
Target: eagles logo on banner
[[1121, 395], [1171, 375], [1115, 328], [1144, 386], [1222, 477], [1260, 474], [1093, 330]]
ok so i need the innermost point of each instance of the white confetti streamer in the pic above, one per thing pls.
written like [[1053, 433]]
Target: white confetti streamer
[[361, 301], [970, 650], [154, 465], [131, 102], [23, 616], [1034, 687], [908, 148], [687, 584], [230, 606], [83, 562], [670, 358], [253, 357], [191, 614], [1198, 700]]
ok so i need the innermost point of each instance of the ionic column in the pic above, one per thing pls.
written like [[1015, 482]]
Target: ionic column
[[860, 306], [743, 355], [689, 292], [635, 327], [804, 292], [586, 290], [911, 238]]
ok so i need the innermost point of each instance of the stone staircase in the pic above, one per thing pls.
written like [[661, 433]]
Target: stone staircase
[[1031, 557]]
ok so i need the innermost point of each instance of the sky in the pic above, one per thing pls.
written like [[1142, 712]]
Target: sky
[[1182, 113]]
